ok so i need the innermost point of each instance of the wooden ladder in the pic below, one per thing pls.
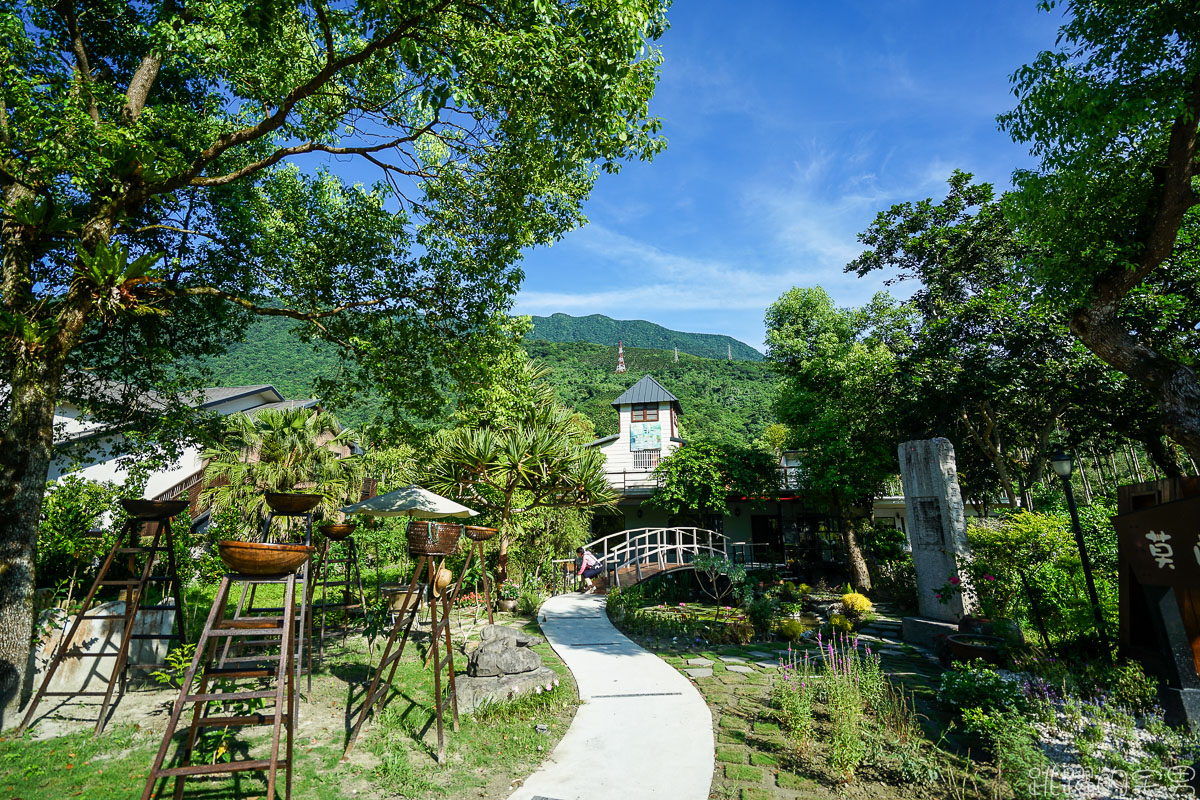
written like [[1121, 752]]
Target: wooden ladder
[[213, 691], [351, 576], [302, 641], [439, 630], [135, 592]]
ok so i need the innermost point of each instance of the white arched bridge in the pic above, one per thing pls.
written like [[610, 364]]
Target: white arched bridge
[[633, 555]]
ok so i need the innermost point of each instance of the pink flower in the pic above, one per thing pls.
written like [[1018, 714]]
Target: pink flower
[[955, 580], [989, 578]]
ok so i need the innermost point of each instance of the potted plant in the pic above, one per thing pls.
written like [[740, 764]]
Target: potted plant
[[509, 592]]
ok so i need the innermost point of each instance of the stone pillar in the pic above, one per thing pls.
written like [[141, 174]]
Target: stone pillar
[[937, 531]]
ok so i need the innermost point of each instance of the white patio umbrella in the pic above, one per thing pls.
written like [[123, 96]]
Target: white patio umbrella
[[411, 501]]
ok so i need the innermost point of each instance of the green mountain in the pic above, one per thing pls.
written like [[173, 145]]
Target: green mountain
[[721, 400], [599, 329]]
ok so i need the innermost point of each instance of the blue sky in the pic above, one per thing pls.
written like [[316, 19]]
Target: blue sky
[[790, 125]]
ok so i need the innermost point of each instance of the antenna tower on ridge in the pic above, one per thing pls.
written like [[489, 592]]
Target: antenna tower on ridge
[[676, 355], [620, 356], [729, 351]]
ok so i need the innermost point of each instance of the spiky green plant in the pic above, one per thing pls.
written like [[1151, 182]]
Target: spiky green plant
[[287, 450]]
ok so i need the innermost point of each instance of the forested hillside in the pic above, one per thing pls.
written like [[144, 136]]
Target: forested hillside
[[721, 400], [599, 329]]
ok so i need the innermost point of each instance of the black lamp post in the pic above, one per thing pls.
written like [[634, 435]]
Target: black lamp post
[[1063, 465]]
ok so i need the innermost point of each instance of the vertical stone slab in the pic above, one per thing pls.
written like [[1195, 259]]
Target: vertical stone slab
[[937, 525]]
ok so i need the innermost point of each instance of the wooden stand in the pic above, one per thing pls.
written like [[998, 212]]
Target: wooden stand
[[234, 654], [439, 629], [141, 513], [212, 689], [351, 576]]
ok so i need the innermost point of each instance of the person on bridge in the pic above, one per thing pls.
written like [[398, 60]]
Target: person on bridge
[[589, 567]]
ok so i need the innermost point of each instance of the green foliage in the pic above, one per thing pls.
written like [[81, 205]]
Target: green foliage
[[979, 685], [700, 476], [529, 601], [1043, 548], [792, 630], [177, 662], [602, 330], [73, 506], [530, 457], [722, 401], [1013, 743], [721, 577], [840, 369], [761, 612], [840, 623], [898, 580], [289, 450]]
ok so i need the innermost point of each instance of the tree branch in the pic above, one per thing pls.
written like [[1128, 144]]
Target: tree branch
[[310, 147], [276, 120], [67, 9], [266, 311]]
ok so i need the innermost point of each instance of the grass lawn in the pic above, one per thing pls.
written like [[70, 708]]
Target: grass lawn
[[395, 756]]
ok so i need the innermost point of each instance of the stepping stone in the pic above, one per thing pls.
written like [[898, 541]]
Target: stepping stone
[[766, 664], [760, 654], [699, 662], [732, 659], [741, 669], [699, 673]]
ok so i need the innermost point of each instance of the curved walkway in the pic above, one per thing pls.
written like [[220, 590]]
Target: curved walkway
[[642, 729]]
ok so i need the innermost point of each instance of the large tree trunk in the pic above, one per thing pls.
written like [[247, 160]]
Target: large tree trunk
[[24, 463], [1173, 384], [853, 519]]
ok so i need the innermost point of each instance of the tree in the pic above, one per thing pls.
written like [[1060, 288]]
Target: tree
[[839, 399], [529, 457], [700, 477], [288, 450], [149, 203], [991, 367], [1113, 116]]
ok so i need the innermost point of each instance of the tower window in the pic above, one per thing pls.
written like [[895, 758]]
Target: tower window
[[644, 412]]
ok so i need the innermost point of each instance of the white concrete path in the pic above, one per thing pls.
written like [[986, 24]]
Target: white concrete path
[[642, 731]]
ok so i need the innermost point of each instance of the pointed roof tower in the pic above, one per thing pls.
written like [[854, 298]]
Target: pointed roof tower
[[647, 390], [620, 357]]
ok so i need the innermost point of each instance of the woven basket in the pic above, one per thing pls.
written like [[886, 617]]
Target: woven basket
[[432, 538], [478, 534]]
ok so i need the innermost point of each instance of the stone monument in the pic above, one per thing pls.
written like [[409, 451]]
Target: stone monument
[[937, 531]]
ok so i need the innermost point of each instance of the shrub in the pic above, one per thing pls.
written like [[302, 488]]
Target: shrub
[[856, 606], [898, 580], [761, 614], [1129, 687], [978, 685], [840, 624], [792, 629], [529, 602], [1013, 744]]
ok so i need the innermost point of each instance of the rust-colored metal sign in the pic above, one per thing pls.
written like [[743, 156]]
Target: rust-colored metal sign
[[1162, 544]]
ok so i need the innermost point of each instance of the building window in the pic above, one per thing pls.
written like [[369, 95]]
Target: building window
[[645, 460], [645, 412]]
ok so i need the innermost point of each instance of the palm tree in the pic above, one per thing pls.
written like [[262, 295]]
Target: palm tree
[[293, 449], [535, 459]]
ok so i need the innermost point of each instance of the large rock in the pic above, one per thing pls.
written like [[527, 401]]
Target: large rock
[[474, 692], [501, 656], [521, 639]]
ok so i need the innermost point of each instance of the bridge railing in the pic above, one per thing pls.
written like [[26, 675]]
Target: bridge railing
[[642, 548]]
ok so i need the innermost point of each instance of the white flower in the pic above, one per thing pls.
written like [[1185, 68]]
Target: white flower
[[539, 690]]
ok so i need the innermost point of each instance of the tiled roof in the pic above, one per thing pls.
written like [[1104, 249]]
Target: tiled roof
[[647, 390]]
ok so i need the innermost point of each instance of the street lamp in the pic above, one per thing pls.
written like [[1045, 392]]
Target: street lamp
[[1063, 465]]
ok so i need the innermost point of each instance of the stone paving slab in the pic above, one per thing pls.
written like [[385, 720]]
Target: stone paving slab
[[699, 672], [760, 654], [732, 659], [740, 668], [699, 662]]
